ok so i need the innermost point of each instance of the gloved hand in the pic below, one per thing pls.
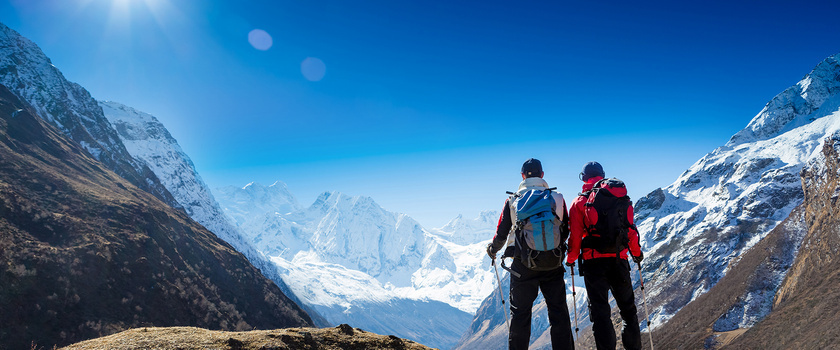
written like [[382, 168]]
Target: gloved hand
[[491, 252], [570, 264], [638, 259]]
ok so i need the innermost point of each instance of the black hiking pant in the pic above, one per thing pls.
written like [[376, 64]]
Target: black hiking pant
[[523, 292], [603, 275]]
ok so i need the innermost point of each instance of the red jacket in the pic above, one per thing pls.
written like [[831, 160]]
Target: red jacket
[[578, 223]]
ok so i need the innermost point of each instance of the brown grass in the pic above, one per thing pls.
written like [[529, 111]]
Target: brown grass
[[187, 338]]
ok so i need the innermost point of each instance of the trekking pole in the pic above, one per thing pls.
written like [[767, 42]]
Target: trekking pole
[[574, 300], [644, 298], [501, 295]]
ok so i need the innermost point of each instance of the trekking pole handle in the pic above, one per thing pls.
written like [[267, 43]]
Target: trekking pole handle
[[641, 281]]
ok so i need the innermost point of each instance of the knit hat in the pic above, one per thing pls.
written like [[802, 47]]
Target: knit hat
[[590, 170], [532, 168]]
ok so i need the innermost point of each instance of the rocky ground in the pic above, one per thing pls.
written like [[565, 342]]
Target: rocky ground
[[186, 338]]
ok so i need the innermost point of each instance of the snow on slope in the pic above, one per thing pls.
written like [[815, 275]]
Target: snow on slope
[[28, 73], [732, 197]]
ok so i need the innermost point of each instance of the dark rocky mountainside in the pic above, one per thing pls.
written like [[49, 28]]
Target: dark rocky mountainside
[[187, 338], [84, 253], [805, 308]]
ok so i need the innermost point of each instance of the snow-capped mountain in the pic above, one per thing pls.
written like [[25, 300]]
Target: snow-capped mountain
[[27, 72], [257, 198], [797, 312], [358, 263], [147, 140], [731, 198]]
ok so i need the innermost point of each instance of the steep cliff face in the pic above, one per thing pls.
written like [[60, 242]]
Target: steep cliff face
[[29, 74], [84, 253], [821, 186], [807, 307]]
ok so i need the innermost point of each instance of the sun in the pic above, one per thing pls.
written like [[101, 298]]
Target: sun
[[123, 10]]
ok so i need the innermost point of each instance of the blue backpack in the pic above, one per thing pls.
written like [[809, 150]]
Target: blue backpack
[[539, 233]]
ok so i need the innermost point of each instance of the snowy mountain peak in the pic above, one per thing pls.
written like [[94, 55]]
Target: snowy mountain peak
[[470, 231], [120, 111], [813, 97], [240, 203]]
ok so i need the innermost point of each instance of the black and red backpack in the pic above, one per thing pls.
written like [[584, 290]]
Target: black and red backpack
[[607, 213]]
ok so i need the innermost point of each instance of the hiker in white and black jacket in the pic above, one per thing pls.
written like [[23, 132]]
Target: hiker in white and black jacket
[[537, 248]]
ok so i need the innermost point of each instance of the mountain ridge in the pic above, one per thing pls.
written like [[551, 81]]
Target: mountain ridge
[[29, 73], [86, 253]]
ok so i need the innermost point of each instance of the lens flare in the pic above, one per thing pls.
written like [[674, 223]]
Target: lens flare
[[260, 39], [313, 69]]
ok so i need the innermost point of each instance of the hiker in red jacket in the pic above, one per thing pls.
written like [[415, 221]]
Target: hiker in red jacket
[[598, 218]]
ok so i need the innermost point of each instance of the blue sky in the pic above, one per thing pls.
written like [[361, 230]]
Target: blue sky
[[428, 107]]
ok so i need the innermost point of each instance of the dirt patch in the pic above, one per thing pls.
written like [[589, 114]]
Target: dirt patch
[[724, 338]]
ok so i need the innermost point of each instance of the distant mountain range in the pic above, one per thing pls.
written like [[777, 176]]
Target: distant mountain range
[[355, 262]]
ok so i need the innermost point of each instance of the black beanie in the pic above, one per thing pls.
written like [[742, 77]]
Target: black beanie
[[590, 170]]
